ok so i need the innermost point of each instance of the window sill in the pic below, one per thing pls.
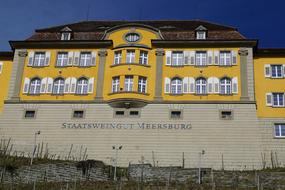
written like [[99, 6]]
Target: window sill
[[278, 106], [283, 137], [38, 67], [128, 92], [124, 64]]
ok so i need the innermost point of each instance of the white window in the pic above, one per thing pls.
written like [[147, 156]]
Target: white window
[[279, 130], [132, 37], [1, 67], [58, 86], [177, 58], [176, 86], [201, 35], [142, 85], [201, 58], [130, 56], [62, 58], [118, 57], [143, 57], [129, 83], [82, 86], [201, 86], [35, 86], [39, 59], [65, 36], [277, 71], [85, 59], [116, 84], [278, 99], [225, 58], [225, 86]]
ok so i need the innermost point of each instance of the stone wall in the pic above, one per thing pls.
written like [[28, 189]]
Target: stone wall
[[52, 173]]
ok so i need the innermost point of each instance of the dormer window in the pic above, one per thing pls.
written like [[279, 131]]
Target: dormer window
[[66, 33], [201, 33], [65, 36]]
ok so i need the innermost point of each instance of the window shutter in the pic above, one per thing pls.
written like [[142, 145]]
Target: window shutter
[[191, 85], [192, 57], [267, 70], [1, 67], [31, 58], [216, 54], [70, 58], [47, 59], [235, 85], [167, 85], [268, 99], [216, 85], [168, 58], [67, 85], [90, 85], [49, 85], [73, 85], [234, 57], [26, 86], [210, 82], [185, 85], [43, 85], [210, 57], [186, 57], [93, 58], [76, 58]]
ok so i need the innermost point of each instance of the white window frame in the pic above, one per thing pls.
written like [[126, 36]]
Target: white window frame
[[280, 128], [176, 86], [65, 36], [143, 58], [142, 85], [62, 59], [58, 86], [275, 72], [278, 103], [117, 57], [201, 58], [35, 86], [225, 86], [177, 58], [225, 58], [201, 35], [201, 86], [82, 86], [85, 59], [130, 57], [39, 59], [129, 82], [116, 84]]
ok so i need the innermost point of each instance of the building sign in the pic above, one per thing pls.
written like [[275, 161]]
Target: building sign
[[143, 126]]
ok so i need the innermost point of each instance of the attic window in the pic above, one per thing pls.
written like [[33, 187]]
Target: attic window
[[201, 35], [65, 36], [132, 37]]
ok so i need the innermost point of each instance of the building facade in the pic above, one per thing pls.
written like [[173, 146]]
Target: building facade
[[189, 93]]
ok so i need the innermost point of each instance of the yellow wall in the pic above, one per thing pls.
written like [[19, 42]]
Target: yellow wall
[[64, 72], [4, 81], [130, 69], [265, 85]]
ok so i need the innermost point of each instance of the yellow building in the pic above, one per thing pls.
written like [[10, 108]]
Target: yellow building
[[159, 89]]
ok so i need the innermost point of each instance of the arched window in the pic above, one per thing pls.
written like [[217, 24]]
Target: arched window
[[201, 86], [35, 86], [176, 86], [82, 86], [58, 86], [225, 86]]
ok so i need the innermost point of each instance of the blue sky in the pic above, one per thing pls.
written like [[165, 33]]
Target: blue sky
[[263, 20]]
